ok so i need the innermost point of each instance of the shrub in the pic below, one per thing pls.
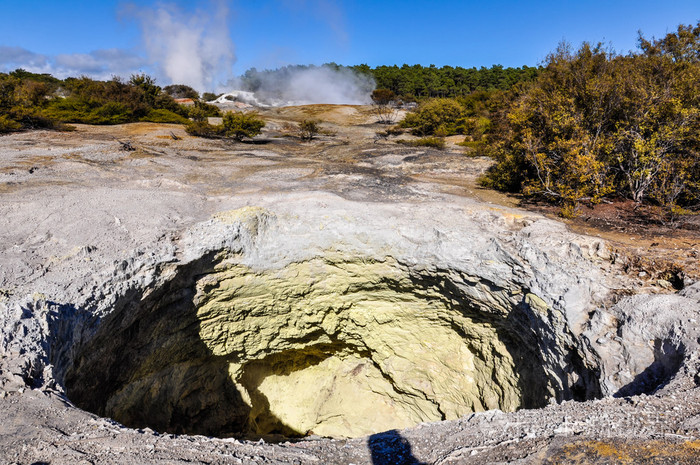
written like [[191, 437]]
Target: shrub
[[202, 109], [204, 129], [32, 93], [29, 118], [508, 174], [234, 125], [197, 114], [71, 109], [110, 113], [434, 142], [238, 125], [164, 116], [209, 96], [308, 129], [80, 110], [441, 116], [8, 125]]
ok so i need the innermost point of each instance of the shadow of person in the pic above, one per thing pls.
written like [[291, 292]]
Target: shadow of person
[[390, 448]]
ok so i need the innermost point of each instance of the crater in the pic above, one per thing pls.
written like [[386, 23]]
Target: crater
[[334, 346]]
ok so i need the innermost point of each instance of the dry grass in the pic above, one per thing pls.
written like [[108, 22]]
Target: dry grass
[[620, 452]]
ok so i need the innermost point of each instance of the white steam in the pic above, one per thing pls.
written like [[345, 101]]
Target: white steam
[[193, 49], [303, 85], [327, 85], [197, 50]]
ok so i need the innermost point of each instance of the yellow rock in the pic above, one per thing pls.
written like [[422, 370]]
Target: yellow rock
[[536, 303], [350, 348]]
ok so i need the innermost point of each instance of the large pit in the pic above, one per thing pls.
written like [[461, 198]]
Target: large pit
[[334, 346]]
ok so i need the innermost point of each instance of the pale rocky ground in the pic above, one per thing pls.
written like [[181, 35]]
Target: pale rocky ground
[[368, 256]]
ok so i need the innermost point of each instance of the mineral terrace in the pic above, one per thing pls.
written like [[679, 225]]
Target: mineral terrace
[[338, 301]]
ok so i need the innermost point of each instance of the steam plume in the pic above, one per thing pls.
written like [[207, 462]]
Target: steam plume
[[188, 49], [328, 85], [298, 85]]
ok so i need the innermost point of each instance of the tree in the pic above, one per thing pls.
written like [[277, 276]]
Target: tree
[[596, 124], [308, 129], [556, 127], [383, 96], [181, 91], [238, 125], [682, 45], [384, 105], [657, 125], [148, 85]]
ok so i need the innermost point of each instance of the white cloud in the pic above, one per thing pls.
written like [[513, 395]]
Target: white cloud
[[12, 58], [99, 64]]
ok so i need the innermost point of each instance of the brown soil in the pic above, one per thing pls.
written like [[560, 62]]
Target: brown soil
[[652, 244], [625, 452]]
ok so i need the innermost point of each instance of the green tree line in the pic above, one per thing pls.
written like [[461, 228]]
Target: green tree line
[[409, 82], [31, 101], [596, 124], [419, 81]]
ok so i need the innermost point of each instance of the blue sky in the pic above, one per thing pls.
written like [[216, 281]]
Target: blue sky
[[116, 37]]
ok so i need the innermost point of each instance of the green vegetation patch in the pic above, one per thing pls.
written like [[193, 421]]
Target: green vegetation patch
[[162, 115], [596, 124], [434, 142], [235, 125], [32, 101]]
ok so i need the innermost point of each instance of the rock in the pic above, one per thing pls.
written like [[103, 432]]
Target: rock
[[652, 344], [692, 291]]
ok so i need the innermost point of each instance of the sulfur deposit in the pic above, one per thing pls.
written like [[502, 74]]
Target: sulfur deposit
[[337, 342]]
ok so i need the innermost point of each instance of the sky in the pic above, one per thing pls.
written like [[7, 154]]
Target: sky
[[205, 43]]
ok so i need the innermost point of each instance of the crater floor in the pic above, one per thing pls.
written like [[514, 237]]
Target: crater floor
[[343, 300]]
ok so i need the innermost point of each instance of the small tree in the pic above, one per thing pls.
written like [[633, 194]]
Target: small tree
[[308, 129], [384, 105], [181, 91], [238, 125], [440, 117], [148, 85]]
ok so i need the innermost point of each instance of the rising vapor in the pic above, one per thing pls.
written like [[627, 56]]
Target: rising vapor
[[328, 85], [194, 49], [302, 85]]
